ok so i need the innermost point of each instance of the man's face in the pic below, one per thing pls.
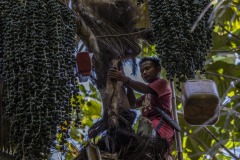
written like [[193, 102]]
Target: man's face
[[149, 72]]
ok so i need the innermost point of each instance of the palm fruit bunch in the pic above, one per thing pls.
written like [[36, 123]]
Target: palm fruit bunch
[[182, 53], [4, 10], [1, 46], [38, 45], [140, 1]]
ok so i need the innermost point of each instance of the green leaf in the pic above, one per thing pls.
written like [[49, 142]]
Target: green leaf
[[227, 69], [69, 156], [75, 134], [222, 156], [92, 108], [82, 88]]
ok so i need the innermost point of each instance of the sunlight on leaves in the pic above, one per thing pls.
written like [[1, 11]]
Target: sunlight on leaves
[[82, 88], [74, 151], [75, 134], [230, 94], [234, 45], [179, 106], [231, 144], [184, 141], [190, 131], [220, 71], [201, 148], [185, 155], [148, 49], [69, 156], [221, 157], [86, 121]]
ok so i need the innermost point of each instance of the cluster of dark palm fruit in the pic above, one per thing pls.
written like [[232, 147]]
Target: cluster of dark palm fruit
[[1, 47], [38, 48], [4, 10], [182, 53], [140, 1]]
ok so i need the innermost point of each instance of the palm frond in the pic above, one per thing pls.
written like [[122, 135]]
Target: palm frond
[[107, 27]]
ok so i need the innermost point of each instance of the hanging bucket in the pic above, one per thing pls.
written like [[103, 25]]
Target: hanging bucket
[[200, 101], [84, 66]]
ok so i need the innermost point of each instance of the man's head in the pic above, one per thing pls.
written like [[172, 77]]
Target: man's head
[[150, 68]]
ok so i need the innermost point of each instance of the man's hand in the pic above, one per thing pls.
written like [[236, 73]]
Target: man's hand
[[135, 85], [117, 75]]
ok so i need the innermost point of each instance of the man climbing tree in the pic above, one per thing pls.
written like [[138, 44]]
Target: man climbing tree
[[157, 94]]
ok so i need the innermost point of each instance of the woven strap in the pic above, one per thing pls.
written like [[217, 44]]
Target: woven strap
[[160, 124]]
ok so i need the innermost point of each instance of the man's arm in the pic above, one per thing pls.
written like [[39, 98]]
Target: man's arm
[[140, 87], [137, 86], [131, 97]]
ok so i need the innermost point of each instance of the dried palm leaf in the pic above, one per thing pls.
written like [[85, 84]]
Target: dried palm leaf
[[107, 27], [93, 152], [110, 23]]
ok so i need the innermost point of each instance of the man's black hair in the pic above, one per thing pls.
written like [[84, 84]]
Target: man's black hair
[[155, 61]]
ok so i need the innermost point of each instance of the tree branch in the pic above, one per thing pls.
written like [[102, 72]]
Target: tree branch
[[229, 50], [225, 148], [232, 111], [235, 36], [118, 35], [222, 75], [199, 141]]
